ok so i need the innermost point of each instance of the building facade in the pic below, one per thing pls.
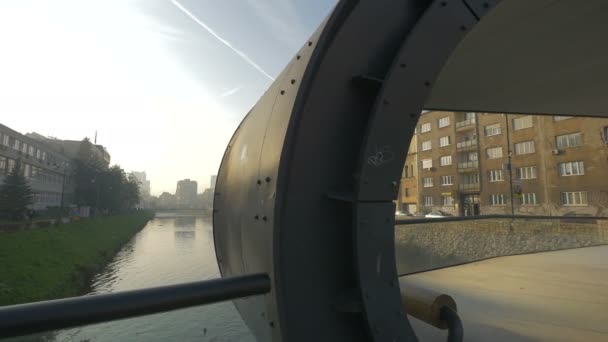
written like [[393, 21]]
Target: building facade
[[485, 163], [47, 170], [186, 194]]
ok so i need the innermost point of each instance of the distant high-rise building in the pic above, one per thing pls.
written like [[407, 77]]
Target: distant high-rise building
[[144, 183], [213, 181], [186, 194]]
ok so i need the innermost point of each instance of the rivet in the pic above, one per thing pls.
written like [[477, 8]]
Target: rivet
[[298, 57], [463, 28], [443, 4], [264, 218], [282, 92], [267, 179], [256, 217], [427, 83], [293, 81], [271, 323], [309, 43], [259, 182]]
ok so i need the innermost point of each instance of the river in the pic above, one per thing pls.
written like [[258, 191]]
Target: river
[[170, 249]]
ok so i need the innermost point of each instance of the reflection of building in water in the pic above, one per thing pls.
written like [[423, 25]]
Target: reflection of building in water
[[185, 221], [186, 194], [478, 163]]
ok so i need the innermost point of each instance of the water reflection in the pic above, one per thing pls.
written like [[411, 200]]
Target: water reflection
[[151, 260]]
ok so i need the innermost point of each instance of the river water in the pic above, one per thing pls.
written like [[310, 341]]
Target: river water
[[171, 249]]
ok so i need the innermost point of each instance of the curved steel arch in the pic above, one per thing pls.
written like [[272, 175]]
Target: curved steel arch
[[306, 185]]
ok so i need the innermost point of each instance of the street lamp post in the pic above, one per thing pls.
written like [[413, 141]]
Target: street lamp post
[[509, 164]]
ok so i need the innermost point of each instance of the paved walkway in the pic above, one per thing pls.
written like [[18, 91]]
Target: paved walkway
[[550, 296]]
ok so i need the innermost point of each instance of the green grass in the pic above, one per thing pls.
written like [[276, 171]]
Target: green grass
[[59, 261]]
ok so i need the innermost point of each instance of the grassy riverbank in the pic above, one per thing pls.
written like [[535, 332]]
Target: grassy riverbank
[[59, 261]]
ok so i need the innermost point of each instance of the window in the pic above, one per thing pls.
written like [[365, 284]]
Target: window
[[560, 118], [426, 145], [445, 160], [24, 148], [37, 154], [523, 122], [469, 116], [494, 152], [425, 127], [5, 139], [428, 201], [43, 155], [427, 182], [528, 198], [527, 172], [492, 130], [446, 180], [497, 199], [11, 165], [444, 141], [407, 192], [575, 168], [427, 163], [31, 151], [574, 198], [2, 164], [16, 145], [443, 122], [405, 172], [525, 147], [448, 200], [568, 140], [495, 176], [470, 178]]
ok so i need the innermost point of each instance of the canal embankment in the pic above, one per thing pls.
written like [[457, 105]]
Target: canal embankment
[[59, 260]]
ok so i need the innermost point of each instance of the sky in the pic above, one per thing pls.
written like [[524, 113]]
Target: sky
[[164, 83]]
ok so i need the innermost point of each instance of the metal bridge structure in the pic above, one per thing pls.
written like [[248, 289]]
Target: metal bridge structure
[[303, 209]]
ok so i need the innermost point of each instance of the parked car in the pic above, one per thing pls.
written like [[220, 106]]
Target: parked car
[[437, 214], [401, 213]]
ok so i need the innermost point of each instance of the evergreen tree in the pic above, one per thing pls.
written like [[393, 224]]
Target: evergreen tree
[[15, 194]]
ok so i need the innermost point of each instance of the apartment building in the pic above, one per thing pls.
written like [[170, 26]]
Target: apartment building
[[486, 163]]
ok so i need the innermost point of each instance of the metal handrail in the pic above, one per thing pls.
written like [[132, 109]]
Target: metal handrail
[[465, 123], [489, 217], [25, 319], [469, 164], [468, 186], [468, 143]]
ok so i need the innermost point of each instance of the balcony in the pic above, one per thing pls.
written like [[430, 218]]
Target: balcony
[[469, 187], [467, 145], [465, 125], [468, 166]]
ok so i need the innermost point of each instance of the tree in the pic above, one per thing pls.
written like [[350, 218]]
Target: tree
[[15, 194]]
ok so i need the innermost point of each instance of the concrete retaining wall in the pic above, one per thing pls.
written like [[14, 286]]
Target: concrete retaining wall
[[421, 247]]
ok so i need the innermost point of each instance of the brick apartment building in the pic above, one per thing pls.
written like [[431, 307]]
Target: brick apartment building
[[481, 163]]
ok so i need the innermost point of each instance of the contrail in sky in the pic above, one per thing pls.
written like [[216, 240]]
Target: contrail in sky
[[222, 40], [230, 92]]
